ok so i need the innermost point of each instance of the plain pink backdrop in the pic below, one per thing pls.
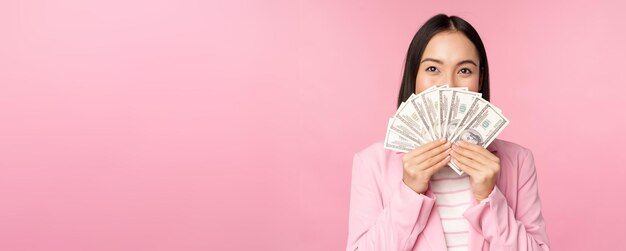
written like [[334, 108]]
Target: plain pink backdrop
[[230, 125]]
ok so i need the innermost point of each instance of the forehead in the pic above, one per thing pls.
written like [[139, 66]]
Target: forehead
[[450, 47]]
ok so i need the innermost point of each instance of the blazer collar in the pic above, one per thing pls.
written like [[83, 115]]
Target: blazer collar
[[493, 147]]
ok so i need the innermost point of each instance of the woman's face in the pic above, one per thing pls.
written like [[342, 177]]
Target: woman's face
[[449, 58]]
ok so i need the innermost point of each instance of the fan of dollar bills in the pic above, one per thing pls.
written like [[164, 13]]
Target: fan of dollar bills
[[437, 112]]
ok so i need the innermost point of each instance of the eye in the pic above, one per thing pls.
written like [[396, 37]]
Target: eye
[[465, 71], [431, 68]]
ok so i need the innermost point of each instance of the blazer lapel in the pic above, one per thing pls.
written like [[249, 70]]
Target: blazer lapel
[[493, 147], [476, 238], [433, 232]]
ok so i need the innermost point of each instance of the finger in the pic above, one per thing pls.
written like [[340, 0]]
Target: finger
[[471, 154], [445, 148], [441, 164], [469, 170], [433, 161], [465, 160], [483, 151], [426, 147]]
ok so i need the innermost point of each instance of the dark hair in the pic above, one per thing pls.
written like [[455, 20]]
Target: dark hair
[[433, 26]]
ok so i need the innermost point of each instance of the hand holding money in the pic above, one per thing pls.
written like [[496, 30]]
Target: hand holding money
[[441, 112], [480, 164], [421, 163]]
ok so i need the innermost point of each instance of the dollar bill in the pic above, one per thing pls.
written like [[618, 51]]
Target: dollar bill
[[445, 100], [460, 102], [431, 102], [422, 111], [407, 114], [477, 105], [396, 142], [400, 127], [482, 129]]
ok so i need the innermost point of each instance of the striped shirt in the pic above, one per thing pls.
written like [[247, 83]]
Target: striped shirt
[[453, 197]]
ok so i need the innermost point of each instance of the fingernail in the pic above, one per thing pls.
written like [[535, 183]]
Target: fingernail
[[442, 140], [448, 151]]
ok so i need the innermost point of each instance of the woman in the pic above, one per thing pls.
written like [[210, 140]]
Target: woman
[[412, 201]]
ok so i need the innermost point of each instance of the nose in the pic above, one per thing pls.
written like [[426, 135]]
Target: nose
[[447, 79]]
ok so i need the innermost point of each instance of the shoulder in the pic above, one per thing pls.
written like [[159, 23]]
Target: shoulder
[[375, 151], [376, 157], [509, 149], [513, 155]]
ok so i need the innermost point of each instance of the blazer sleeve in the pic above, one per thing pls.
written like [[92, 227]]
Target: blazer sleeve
[[505, 229], [372, 226]]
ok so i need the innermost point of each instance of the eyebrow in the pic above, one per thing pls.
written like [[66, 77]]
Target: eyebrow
[[466, 61]]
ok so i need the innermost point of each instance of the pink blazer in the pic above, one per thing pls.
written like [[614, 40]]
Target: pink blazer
[[387, 215]]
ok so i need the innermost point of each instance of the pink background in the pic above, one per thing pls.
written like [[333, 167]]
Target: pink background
[[229, 125]]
